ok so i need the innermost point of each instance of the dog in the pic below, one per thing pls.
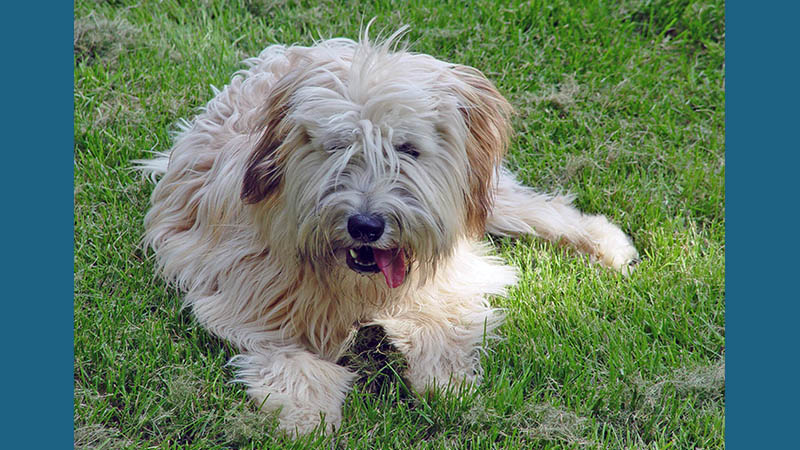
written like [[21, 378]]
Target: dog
[[346, 184]]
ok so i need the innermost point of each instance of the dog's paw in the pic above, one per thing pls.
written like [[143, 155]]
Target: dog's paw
[[296, 418], [613, 248], [302, 421], [299, 414], [427, 382]]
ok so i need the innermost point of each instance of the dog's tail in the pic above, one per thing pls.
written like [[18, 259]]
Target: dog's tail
[[153, 168]]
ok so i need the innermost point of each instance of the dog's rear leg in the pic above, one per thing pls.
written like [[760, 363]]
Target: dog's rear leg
[[519, 210], [297, 384]]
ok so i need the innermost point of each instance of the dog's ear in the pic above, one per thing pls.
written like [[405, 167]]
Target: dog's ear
[[264, 171], [487, 116]]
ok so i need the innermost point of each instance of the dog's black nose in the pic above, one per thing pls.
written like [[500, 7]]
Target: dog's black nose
[[365, 228]]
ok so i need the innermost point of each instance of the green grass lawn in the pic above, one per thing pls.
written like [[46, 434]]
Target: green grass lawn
[[621, 104]]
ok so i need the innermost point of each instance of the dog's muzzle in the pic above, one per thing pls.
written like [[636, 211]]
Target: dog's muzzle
[[367, 259]]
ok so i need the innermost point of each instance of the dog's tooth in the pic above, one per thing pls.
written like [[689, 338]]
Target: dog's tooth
[[353, 253]]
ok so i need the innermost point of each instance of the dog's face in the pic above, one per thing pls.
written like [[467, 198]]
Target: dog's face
[[375, 161]]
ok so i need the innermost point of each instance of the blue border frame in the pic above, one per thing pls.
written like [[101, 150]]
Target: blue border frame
[[761, 246], [761, 157], [38, 225]]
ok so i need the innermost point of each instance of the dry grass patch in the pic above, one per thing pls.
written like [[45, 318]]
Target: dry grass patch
[[98, 39]]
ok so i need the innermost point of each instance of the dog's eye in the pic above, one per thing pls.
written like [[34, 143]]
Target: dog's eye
[[408, 149]]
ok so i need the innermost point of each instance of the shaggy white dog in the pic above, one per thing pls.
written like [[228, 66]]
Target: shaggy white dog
[[341, 185]]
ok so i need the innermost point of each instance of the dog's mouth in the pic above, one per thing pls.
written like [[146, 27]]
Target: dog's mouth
[[391, 262]]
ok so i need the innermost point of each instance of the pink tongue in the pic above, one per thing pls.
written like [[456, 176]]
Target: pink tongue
[[393, 265]]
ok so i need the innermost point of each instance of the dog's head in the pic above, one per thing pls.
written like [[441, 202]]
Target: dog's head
[[375, 159]]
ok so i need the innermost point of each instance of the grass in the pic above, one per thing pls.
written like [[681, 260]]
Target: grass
[[621, 103]]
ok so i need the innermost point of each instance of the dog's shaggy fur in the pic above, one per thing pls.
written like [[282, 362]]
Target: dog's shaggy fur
[[348, 184]]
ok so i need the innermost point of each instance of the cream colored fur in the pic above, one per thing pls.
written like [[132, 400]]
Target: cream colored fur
[[249, 218]]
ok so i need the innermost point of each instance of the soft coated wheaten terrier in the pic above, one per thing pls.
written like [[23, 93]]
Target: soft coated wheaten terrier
[[346, 184]]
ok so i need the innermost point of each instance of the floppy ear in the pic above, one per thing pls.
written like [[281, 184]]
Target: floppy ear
[[486, 113], [263, 175]]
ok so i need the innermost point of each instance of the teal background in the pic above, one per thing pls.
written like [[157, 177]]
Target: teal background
[[761, 224], [761, 191], [37, 223]]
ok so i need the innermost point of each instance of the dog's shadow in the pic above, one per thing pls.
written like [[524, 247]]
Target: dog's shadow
[[378, 363]]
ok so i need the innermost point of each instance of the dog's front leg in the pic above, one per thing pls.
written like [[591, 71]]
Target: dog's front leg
[[441, 340], [301, 387], [519, 210]]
